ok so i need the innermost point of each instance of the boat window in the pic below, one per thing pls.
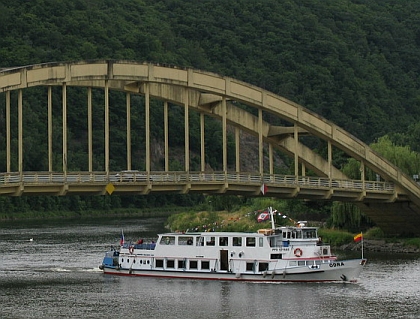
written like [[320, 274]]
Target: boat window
[[185, 240], [210, 241], [250, 266], [199, 241], [301, 263], [275, 256], [170, 263], [262, 266], [237, 241], [223, 241], [181, 264], [261, 242], [205, 264], [292, 263], [296, 234], [250, 241], [309, 233], [193, 264], [168, 240], [159, 263]]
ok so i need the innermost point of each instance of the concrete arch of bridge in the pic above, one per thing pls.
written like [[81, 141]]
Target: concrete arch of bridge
[[216, 95]]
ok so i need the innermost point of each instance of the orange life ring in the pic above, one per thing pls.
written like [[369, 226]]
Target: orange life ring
[[298, 252], [131, 249]]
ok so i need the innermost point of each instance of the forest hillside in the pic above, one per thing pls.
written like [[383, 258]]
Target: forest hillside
[[355, 62]]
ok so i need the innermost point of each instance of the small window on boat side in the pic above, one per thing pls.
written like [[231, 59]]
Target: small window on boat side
[[193, 264], [167, 240], [181, 264], [237, 241], [262, 266], [199, 241], [250, 241], [170, 263], [159, 263], [184, 240], [275, 256], [210, 241], [205, 264], [223, 241], [261, 242], [249, 266]]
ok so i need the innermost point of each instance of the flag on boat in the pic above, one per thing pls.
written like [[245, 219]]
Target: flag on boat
[[122, 238], [263, 217], [263, 189], [358, 237]]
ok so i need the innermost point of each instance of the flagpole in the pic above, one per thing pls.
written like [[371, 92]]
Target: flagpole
[[362, 244]]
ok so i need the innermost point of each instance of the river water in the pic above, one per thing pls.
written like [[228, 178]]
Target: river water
[[57, 276]]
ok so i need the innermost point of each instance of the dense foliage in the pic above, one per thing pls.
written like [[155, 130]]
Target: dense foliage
[[353, 61]]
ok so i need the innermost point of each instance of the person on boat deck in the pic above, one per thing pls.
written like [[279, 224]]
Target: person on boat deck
[[140, 241], [189, 241], [319, 243]]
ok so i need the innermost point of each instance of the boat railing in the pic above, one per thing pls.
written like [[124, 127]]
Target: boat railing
[[147, 246], [150, 246]]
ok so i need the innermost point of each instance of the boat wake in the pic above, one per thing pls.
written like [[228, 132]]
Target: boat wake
[[53, 270]]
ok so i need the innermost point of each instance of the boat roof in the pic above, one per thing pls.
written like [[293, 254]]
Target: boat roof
[[261, 232]]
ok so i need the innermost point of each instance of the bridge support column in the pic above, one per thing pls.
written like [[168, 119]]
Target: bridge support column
[[260, 143], [224, 134], [166, 132], [106, 127], [8, 131], [296, 146], [187, 131], [64, 101], [202, 143], [147, 126], [128, 107], [90, 117], [50, 130], [20, 130], [237, 146]]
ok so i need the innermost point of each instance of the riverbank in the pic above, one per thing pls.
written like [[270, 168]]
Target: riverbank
[[123, 213], [381, 245]]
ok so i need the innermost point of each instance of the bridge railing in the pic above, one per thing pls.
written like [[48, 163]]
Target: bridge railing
[[7, 179]]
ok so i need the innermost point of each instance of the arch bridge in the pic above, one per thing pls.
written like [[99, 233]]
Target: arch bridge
[[251, 115]]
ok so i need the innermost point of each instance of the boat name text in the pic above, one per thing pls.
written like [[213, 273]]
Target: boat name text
[[339, 264]]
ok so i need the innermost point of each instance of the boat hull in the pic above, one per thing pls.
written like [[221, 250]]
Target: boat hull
[[337, 271]]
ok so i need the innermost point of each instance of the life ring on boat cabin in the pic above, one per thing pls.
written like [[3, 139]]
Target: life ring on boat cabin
[[298, 252], [131, 249]]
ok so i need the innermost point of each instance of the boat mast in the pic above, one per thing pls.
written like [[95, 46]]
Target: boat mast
[[270, 210]]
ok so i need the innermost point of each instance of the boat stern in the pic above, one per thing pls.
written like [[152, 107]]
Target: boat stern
[[110, 259]]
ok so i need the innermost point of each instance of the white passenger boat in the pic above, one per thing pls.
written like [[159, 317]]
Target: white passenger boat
[[290, 254]]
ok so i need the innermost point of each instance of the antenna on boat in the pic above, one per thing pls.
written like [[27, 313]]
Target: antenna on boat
[[270, 210]]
